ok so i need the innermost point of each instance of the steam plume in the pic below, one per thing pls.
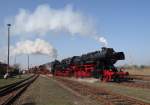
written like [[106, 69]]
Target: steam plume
[[102, 40], [34, 47], [45, 19]]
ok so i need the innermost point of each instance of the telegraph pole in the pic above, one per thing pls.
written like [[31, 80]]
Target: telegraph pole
[[28, 62], [8, 47], [15, 60]]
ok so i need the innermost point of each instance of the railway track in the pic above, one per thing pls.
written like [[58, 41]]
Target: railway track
[[139, 81], [103, 95], [9, 93]]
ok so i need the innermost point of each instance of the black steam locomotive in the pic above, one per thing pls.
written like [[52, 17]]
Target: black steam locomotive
[[98, 64]]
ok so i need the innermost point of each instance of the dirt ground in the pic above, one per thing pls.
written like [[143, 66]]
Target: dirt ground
[[139, 71], [46, 91], [137, 93]]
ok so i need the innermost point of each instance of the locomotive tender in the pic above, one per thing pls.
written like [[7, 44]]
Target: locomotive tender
[[98, 64]]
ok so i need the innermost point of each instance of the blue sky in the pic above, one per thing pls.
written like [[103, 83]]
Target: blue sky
[[124, 23]]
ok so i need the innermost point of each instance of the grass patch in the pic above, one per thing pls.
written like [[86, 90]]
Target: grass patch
[[4, 82]]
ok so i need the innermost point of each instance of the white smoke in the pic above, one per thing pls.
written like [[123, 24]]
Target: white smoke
[[102, 40], [34, 47], [45, 19]]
